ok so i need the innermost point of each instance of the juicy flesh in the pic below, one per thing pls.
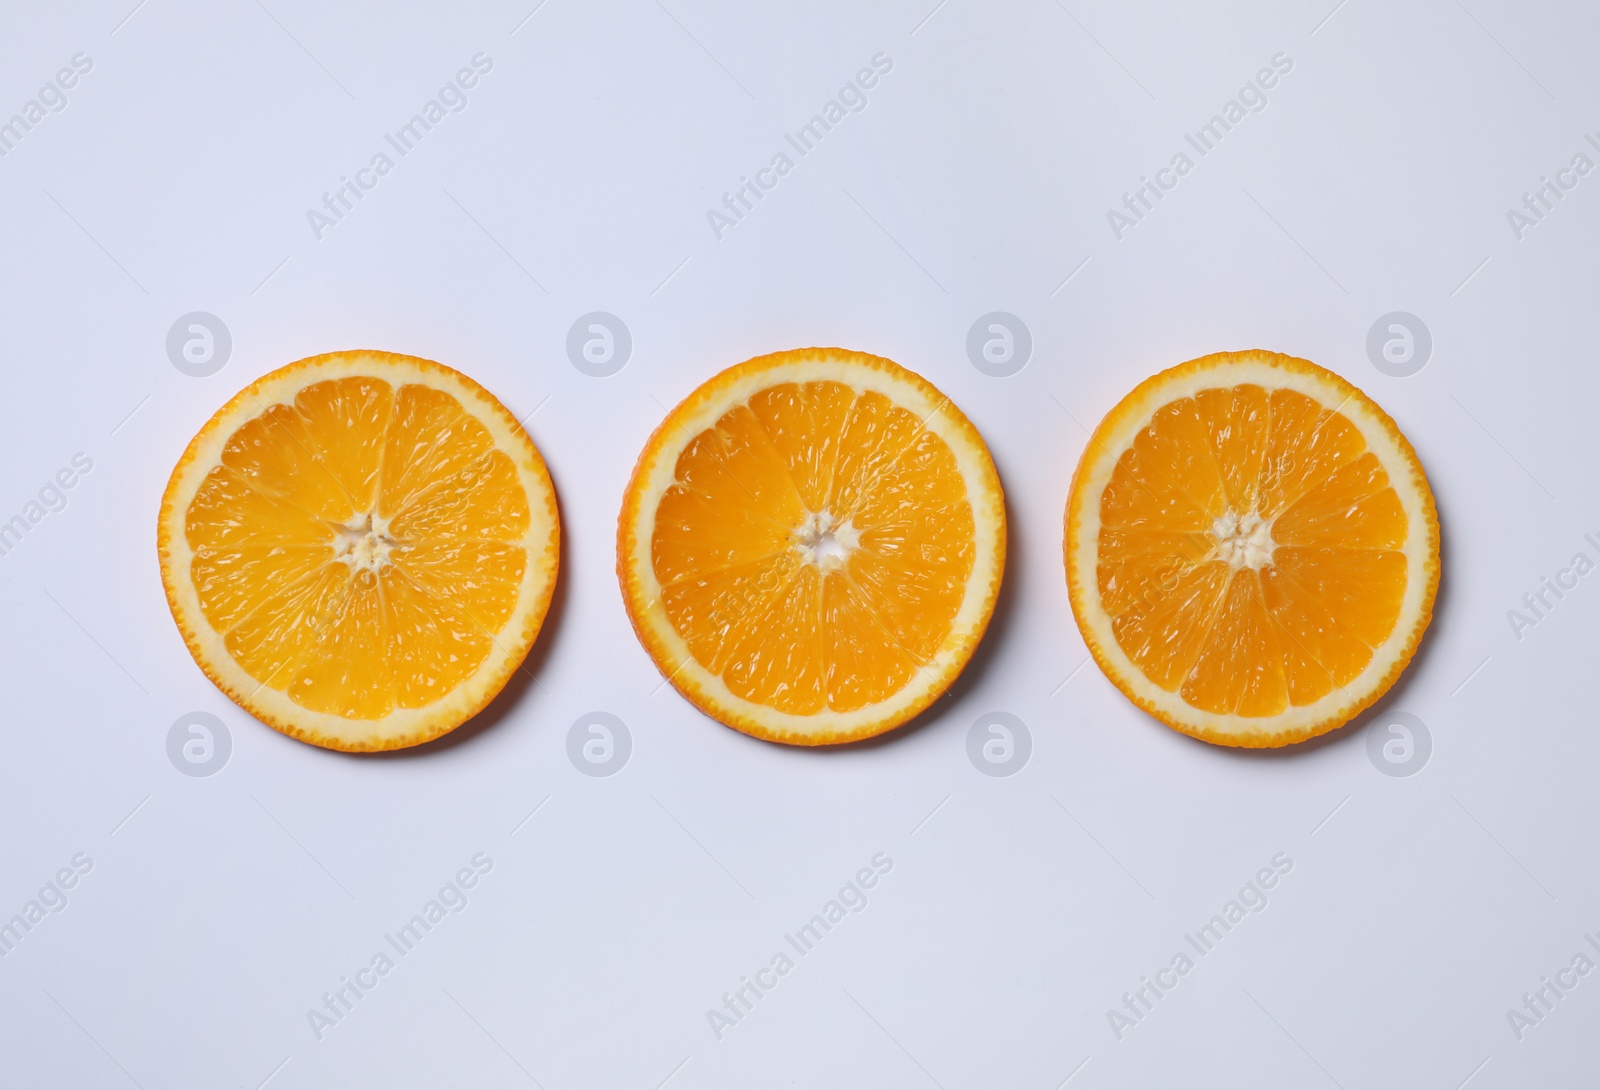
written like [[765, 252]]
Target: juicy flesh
[[357, 549], [1250, 550], [814, 547]]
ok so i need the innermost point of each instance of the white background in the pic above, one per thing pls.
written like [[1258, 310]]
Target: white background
[[1418, 911]]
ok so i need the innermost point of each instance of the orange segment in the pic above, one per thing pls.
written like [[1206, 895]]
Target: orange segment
[[775, 655], [432, 441], [1307, 441], [805, 423], [275, 455], [270, 641], [359, 548], [710, 610], [1164, 626], [345, 671], [866, 666], [1236, 424], [486, 500], [875, 435], [436, 642], [1252, 548], [483, 576], [916, 546], [1324, 648], [230, 582], [348, 421], [709, 519], [811, 545], [228, 512], [1240, 666], [1352, 508], [1362, 589], [1168, 479]]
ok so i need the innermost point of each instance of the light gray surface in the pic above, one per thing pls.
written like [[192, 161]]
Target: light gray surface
[[978, 178]]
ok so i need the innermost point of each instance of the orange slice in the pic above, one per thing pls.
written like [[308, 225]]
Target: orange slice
[[811, 545], [1252, 549], [359, 549]]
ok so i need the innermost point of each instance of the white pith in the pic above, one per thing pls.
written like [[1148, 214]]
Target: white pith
[[364, 543], [824, 541], [1243, 541]]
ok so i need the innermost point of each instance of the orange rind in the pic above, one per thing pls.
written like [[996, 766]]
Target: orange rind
[[359, 549], [811, 545], [1252, 549]]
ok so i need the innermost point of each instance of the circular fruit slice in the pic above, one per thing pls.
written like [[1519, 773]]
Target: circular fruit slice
[[359, 549], [811, 545], [1252, 549]]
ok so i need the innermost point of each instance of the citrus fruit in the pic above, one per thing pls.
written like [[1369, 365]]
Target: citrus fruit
[[1252, 548], [811, 545], [359, 549]]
